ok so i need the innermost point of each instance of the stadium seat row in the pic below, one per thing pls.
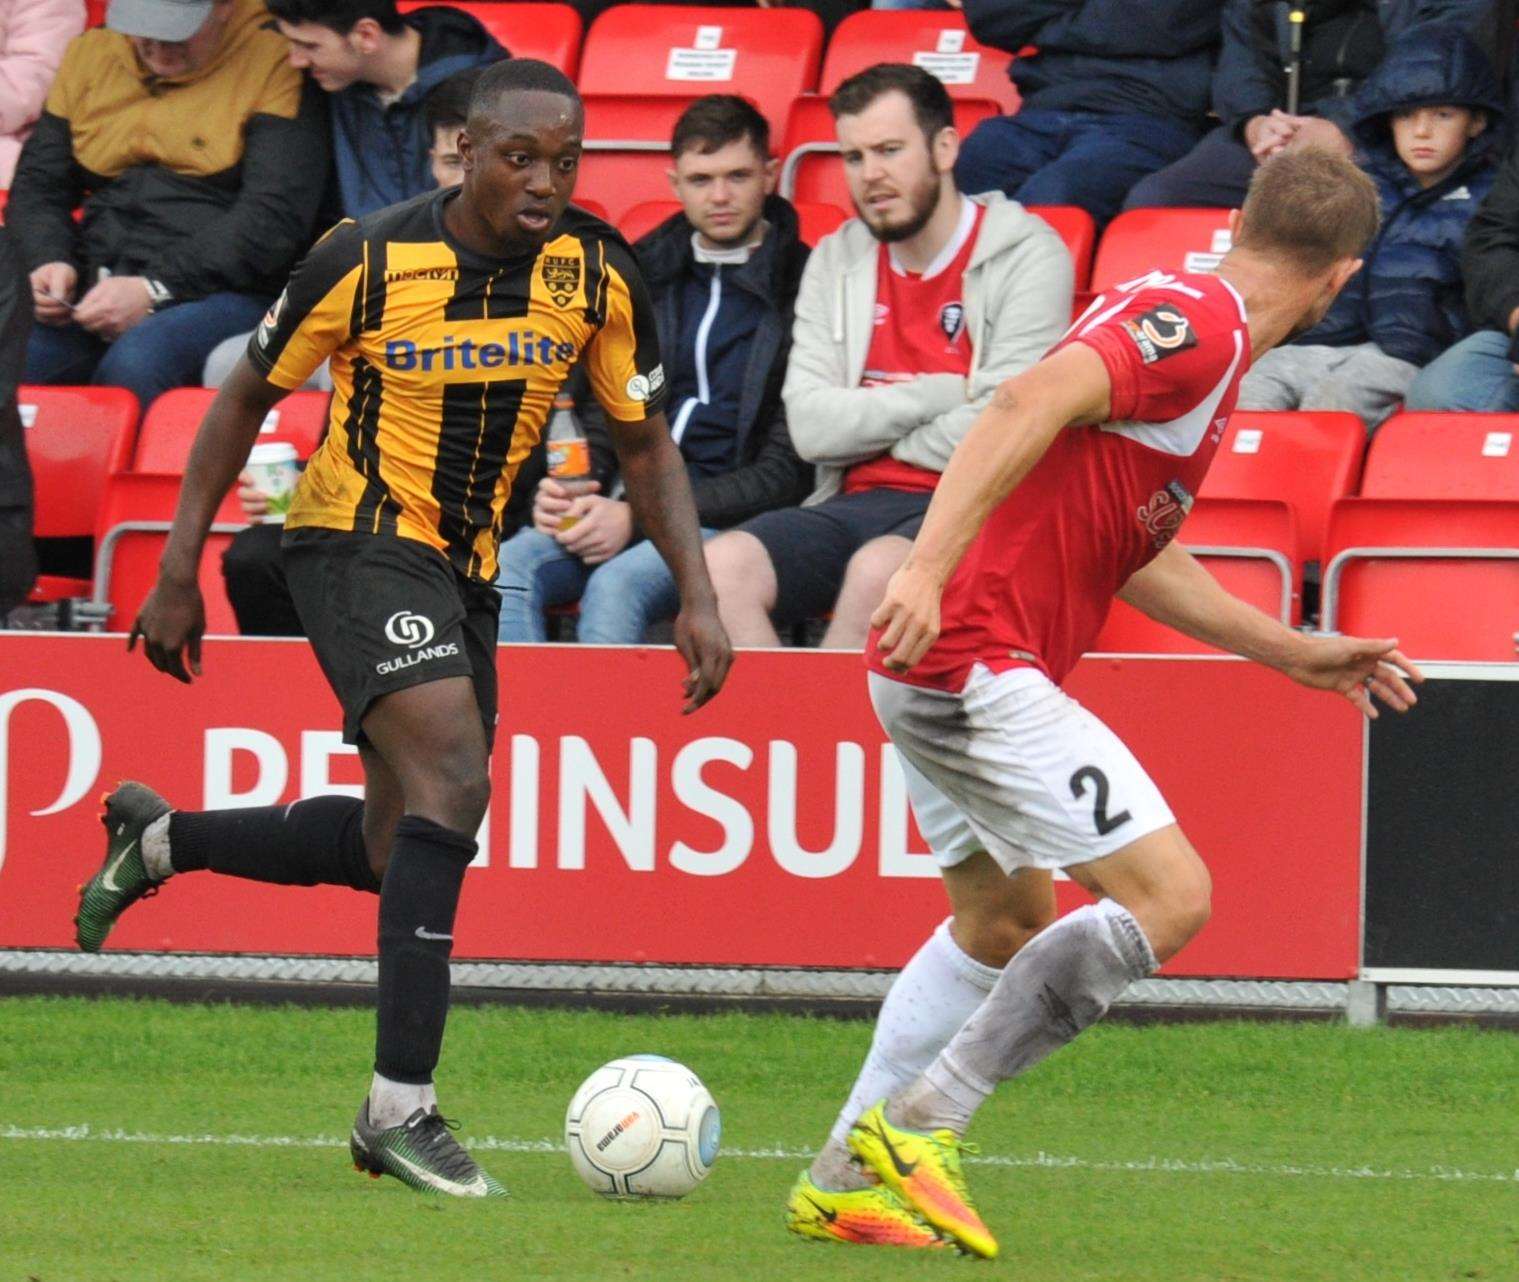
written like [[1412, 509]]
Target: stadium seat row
[[1416, 536]]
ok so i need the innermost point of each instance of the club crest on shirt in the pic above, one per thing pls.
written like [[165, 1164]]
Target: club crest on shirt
[[1162, 331], [952, 320], [561, 277], [1163, 512]]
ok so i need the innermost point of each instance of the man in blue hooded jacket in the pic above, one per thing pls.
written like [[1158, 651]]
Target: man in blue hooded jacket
[[1425, 132], [1114, 92]]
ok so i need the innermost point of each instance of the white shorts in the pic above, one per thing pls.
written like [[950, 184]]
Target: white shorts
[[1014, 766]]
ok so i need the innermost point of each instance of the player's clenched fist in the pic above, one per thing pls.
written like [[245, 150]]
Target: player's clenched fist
[[908, 617]]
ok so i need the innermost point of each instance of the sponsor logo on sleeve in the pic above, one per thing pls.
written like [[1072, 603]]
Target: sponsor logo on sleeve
[[271, 321], [1163, 513], [1162, 331], [641, 387]]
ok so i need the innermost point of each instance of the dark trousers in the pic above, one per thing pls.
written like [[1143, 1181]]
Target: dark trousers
[[1080, 158], [254, 572], [1213, 175]]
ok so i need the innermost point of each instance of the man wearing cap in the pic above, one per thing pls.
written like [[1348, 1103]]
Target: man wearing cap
[[199, 158]]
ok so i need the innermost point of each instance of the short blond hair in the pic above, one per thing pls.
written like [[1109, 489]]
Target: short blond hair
[[1311, 208]]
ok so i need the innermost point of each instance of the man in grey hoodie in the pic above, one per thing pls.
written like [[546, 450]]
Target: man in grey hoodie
[[907, 320]]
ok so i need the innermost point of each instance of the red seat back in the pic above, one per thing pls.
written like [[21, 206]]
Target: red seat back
[[767, 55], [127, 558], [1307, 460], [812, 170], [548, 32], [75, 438], [1079, 231], [1171, 240], [1458, 456], [935, 39], [626, 161], [816, 220], [1444, 600], [174, 418]]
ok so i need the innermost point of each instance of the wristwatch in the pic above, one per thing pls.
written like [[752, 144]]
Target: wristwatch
[[159, 296]]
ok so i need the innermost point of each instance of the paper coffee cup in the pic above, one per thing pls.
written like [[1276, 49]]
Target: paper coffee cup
[[275, 468]]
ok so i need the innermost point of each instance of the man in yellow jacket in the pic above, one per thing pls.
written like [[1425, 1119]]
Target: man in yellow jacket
[[199, 157]]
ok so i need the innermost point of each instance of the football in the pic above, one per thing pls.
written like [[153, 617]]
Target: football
[[642, 1126]]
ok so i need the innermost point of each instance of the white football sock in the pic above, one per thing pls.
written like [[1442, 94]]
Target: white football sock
[[1061, 982], [155, 849], [934, 995], [391, 1103]]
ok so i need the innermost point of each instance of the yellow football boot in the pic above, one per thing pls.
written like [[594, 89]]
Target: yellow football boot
[[925, 1171], [873, 1216]]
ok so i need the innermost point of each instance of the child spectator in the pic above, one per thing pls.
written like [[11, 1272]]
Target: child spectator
[[1425, 135]]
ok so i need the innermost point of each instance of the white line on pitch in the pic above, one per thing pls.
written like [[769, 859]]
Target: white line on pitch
[[1036, 1161]]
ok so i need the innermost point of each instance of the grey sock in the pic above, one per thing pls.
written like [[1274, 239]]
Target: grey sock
[[155, 848], [1062, 982], [835, 1169]]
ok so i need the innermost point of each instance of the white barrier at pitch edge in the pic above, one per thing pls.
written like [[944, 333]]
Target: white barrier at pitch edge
[[737, 982]]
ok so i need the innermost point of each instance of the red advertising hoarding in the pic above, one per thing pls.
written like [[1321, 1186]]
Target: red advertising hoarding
[[771, 828]]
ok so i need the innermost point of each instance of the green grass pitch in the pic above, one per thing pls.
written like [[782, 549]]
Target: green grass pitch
[[143, 1141]]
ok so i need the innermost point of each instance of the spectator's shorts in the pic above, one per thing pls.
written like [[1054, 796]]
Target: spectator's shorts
[[810, 547], [1014, 766], [385, 613]]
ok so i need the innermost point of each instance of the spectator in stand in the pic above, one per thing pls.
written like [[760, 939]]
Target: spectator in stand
[[33, 36], [445, 110], [18, 560], [1481, 372], [1342, 43], [1116, 91], [1425, 133], [378, 68], [909, 318], [200, 162], [723, 276]]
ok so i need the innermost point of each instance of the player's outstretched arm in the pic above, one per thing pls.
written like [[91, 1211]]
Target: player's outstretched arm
[[659, 490], [1007, 439], [1175, 590], [173, 617]]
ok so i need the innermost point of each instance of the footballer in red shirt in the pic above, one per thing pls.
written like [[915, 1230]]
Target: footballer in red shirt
[[1069, 490]]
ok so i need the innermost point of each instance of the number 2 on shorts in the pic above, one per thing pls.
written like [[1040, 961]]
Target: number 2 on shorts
[[1104, 821]]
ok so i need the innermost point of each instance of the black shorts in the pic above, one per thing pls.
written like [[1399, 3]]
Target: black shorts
[[810, 547], [385, 613]]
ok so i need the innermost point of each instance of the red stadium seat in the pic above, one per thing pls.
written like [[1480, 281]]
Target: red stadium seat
[[548, 32], [812, 170], [767, 55], [75, 438], [1307, 460], [934, 39], [1248, 545], [169, 429], [94, 13], [1444, 456], [626, 161], [1172, 240], [816, 220], [1077, 229], [1440, 575], [134, 522]]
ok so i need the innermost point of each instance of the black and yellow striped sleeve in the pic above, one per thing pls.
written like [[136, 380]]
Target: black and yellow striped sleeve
[[314, 316], [623, 360]]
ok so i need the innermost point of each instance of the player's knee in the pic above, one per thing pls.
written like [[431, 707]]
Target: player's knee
[[995, 937], [453, 789], [1188, 906]]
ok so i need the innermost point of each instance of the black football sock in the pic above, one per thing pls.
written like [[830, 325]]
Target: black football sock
[[316, 842], [417, 905]]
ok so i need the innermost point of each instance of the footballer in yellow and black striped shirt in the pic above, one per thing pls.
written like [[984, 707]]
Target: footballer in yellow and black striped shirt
[[450, 322], [445, 365]]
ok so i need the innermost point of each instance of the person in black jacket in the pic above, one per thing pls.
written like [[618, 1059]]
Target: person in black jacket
[[1116, 91], [1481, 372], [199, 157], [723, 276], [1339, 44], [18, 560]]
